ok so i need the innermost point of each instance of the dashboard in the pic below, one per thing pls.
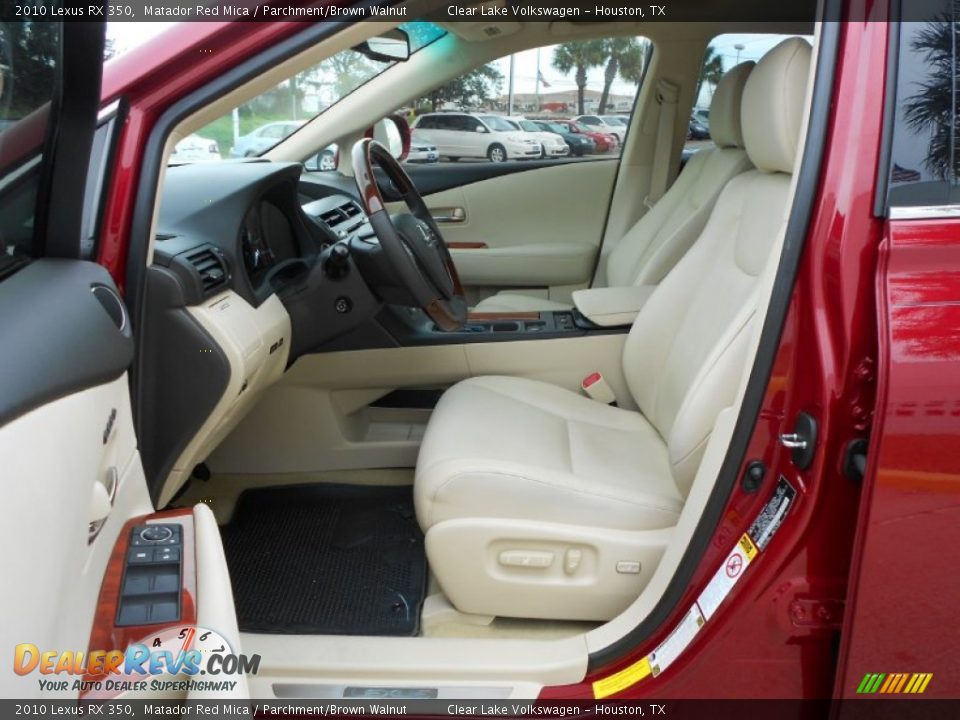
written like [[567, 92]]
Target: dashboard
[[263, 233], [241, 283]]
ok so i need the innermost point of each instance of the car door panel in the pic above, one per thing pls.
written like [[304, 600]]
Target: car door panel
[[537, 228], [59, 301], [68, 447]]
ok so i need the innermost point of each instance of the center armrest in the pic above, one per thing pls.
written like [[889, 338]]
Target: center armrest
[[609, 307]]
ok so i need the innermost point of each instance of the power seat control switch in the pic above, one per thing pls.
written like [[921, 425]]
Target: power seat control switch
[[526, 558], [152, 576]]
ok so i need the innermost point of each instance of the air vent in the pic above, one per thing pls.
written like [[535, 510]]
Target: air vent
[[332, 217], [344, 218], [210, 267]]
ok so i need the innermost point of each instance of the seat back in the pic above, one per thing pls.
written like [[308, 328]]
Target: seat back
[[688, 347], [662, 236]]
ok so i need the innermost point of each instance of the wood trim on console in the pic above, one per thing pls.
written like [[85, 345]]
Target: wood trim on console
[[105, 635], [494, 316], [467, 245]]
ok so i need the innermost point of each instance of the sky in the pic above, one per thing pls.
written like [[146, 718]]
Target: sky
[[127, 35]]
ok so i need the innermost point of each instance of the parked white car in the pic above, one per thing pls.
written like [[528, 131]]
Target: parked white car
[[465, 135], [552, 145], [264, 138], [194, 148], [422, 152], [598, 124]]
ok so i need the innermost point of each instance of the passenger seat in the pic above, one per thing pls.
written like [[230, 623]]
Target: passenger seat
[[664, 234]]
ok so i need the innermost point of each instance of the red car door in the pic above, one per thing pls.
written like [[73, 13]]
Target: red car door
[[899, 630]]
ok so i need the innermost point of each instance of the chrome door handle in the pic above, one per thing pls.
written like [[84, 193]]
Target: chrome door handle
[[449, 215], [794, 441]]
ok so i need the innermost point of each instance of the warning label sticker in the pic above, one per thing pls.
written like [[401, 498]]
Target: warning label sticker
[[769, 519], [726, 577], [670, 649]]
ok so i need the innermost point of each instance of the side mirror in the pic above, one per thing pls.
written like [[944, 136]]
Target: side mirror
[[326, 160], [392, 46], [480, 129], [393, 132]]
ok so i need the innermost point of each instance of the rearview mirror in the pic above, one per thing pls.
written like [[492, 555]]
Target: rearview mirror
[[392, 46]]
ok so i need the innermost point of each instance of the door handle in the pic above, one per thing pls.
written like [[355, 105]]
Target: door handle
[[104, 494], [446, 216]]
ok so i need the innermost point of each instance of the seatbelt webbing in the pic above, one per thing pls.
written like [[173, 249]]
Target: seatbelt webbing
[[667, 94]]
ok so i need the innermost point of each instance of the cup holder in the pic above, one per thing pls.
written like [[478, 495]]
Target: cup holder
[[505, 326]]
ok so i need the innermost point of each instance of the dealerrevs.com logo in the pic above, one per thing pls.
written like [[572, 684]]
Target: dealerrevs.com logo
[[174, 660]]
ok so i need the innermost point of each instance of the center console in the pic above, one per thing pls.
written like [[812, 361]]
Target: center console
[[411, 327]]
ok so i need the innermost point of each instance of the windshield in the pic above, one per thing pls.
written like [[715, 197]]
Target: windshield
[[529, 126], [497, 123], [557, 128], [254, 127], [614, 120]]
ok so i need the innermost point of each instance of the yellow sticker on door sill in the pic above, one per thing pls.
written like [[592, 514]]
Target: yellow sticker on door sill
[[620, 681]]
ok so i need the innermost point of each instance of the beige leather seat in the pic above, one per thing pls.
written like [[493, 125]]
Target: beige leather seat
[[661, 237], [539, 502]]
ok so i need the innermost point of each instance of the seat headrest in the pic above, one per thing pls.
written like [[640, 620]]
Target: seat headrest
[[772, 107], [725, 129]]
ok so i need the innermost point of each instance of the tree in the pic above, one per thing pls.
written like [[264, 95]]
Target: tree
[[28, 60], [931, 108], [579, 57], [710, 71], [622, 52], [633, 65], [470, 90]]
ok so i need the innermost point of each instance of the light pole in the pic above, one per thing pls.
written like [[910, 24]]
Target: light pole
[[738, 47]]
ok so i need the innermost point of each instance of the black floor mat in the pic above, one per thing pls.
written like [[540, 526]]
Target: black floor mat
[[327, 560]]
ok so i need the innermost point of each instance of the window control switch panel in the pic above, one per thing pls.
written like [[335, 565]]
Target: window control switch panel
[[152, 576]]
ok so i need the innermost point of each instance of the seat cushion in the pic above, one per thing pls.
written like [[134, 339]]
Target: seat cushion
[[517, 302], [503, 447]]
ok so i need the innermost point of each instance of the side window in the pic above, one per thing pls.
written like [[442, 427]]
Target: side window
[[598, 77], [925, 157], [463, 123], [28, 69]]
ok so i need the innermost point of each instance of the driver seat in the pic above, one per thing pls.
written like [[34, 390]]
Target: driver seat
[[538, 502]]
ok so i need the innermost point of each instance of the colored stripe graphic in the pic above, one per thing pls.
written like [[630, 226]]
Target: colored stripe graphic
[[894, 683]]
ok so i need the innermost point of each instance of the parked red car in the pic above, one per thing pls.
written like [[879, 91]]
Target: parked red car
[[605, 142], [700, 441]]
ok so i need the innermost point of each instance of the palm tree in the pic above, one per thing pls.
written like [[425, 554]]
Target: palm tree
[[625, 55], [633, 65], [710, 71], [578, 56], [931, 108]]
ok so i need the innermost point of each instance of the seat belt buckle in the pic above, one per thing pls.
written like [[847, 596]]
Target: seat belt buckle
[[597, 388], [648, 203]]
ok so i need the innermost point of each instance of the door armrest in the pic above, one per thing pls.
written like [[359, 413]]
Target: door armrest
[[613, 306]]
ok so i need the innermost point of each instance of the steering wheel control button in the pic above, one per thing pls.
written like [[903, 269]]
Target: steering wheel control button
[[526, 558], [343, 305], [156, 533], [571, 561], [628, 567]]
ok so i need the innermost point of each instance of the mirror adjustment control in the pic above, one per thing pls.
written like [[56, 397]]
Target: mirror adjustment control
[[156, 533]]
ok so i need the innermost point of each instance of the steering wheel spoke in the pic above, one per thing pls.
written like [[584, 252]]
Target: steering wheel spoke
[[411, 241]]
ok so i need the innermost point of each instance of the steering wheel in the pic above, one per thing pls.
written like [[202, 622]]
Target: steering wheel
[[411, 241]]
